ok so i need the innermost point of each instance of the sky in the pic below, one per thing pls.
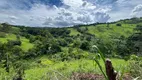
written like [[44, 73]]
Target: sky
[[63, 13]]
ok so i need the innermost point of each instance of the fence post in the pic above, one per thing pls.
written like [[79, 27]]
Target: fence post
[[110, 70]]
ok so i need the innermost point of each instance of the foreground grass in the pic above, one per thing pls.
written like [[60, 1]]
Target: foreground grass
[[49, 69]]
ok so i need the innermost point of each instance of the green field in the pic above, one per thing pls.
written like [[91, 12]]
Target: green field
[[64, 69], [26, 45], [73, 31]]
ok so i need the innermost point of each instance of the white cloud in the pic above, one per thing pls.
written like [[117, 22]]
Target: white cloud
[[13, 17], [123, 9], [78, 12], [84, 18], [71, 13], [102, 17], [137, 9], [81, 14], [73, 3]]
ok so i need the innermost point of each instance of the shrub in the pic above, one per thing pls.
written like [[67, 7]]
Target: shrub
[[55, 48], [77, 43], [118, 24], [82, 29], [134, 57], [5, 27], [12, 42], [136, 69], [85, 45], [2, 35], [32, 39], [62, 42], [69, 40]]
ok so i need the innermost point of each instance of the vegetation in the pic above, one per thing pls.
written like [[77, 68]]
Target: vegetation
[[34, 53]]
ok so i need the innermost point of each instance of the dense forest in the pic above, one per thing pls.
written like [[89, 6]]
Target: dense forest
[[45, 53]]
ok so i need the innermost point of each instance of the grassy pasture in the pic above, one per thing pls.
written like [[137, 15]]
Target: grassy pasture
[[25, 42], [65, 69]]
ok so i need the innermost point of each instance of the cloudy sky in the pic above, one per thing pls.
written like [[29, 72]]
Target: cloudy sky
[[62, 13]]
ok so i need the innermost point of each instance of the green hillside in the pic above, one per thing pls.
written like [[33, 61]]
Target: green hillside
[[25, 42], [42, 53]]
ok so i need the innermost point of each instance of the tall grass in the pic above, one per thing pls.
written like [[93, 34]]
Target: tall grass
[[136, 68], [98, 63]]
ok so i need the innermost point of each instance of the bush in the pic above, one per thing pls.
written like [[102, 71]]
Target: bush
[[77, 43], [62, 42], [2, 35], [69, 40], [118, 24], [5, 27], [136, 69], [134, 57], [13, 43], [82, 29], [55, 48], [17, 52], [85, 45], [32, 39]]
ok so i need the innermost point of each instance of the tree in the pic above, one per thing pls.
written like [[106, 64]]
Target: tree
[[18, 37], [85, 45], [2, 35], [62, 42], [77, 43], [55, 48], [5, 27], [135, 40], [118, 24], [12, 43]]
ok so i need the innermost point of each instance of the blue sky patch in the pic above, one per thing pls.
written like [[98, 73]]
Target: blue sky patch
[[62, 13]]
